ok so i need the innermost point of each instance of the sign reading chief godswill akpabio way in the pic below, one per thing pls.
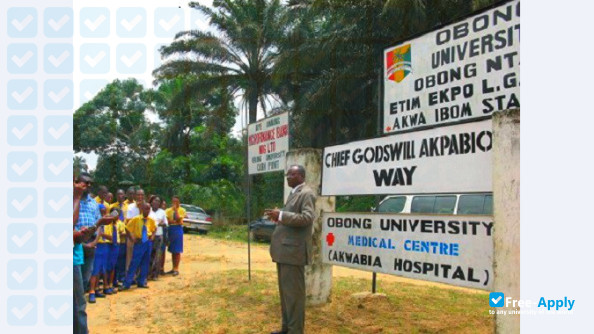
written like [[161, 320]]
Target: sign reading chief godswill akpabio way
[[268, 144], [463, 71], [457, 250], [454, 158]]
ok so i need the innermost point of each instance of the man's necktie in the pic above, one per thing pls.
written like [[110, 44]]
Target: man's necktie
[[144, 232], [121, 212]]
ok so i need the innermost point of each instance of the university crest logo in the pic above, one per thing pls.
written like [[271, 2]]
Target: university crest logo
[[398, 63]]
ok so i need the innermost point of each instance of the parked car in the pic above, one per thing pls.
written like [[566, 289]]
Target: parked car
[[456, 204], [261, 229], [198, 220]]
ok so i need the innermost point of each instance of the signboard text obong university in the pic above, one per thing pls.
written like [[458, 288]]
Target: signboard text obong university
[[451, 249], [462, 71], [268, 144], [455, 158]]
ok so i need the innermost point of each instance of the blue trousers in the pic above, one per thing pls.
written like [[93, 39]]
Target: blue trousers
[[141, 257], [121, 263], [80, 304]]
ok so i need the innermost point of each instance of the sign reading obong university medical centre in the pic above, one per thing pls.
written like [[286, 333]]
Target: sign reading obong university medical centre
[[450, 249], [463, 71], [268, 144], [455, 158]]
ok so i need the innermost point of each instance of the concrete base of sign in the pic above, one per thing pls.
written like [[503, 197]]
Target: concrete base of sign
[[318, 276], [506, 207]]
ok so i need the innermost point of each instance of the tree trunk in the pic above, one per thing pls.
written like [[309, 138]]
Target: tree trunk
[[253, 106]]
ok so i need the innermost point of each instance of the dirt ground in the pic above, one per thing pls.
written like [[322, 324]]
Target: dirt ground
[[160, 306]]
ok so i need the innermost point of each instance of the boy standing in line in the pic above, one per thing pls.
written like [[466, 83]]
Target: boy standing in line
[[141, 229]]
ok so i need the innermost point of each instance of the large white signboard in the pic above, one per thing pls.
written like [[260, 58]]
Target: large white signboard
[[454, 158], [450, 249], [268, 144], [465, 70]]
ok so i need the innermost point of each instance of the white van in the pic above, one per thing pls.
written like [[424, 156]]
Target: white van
[[456, 204]]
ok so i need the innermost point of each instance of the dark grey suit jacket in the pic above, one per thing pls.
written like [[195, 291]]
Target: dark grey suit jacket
[[291, 240]]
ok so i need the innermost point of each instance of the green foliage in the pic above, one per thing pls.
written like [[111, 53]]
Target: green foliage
[[355, 203], [238, 58], [329, 64], [320, 59]]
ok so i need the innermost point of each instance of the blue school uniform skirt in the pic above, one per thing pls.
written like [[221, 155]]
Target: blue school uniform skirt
[[101, 257], [176, 239]]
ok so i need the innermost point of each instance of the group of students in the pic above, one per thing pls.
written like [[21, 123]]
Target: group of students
[[131, 250]]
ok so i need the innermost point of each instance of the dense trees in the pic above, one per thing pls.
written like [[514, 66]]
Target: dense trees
[[319, 59]]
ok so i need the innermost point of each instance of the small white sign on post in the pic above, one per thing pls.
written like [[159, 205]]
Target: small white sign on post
[[463, 71], [456, 250], [454, 158], [268, 144]]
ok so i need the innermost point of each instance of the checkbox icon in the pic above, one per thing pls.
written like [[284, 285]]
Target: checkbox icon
[[57, 130], [22, 94], [58, 238], [168, 21], [58, 94], [22, 58], [21, 238], [57, 166], [56, 202], [21, 310], [21, 166], [94, 58], [131, 22], [90, 88], [94, 22], [58, 22], [131, 58], [58, 58], [21, 130], [21, 274], [496, 299], [58, 274], [58, 309], [22, 22], [21, 202]]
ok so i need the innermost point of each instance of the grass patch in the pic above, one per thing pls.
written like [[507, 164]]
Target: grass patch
[[230, 232], [227, 302]]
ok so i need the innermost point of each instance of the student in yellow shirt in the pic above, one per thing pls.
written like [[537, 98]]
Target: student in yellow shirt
[[116, 229], [121, 204], [141, 230], [175, 217], [130, 195], [103, 242], [102, 195]]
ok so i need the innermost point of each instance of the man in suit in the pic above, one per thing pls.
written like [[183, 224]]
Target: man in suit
[[291, 249]]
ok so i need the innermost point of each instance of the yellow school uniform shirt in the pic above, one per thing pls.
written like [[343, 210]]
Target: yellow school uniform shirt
[[99, 201], [124, 207], [169, 213], [108, 229], [134, 226]]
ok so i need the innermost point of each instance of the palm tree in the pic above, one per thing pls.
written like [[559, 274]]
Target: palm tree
[[79, 164], [238, 57], [329, 66]]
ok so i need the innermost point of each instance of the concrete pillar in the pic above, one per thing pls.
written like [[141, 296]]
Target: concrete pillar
[[506, 206], [318, 276]]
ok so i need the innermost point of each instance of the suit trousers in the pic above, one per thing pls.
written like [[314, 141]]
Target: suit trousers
[[291, 284]]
